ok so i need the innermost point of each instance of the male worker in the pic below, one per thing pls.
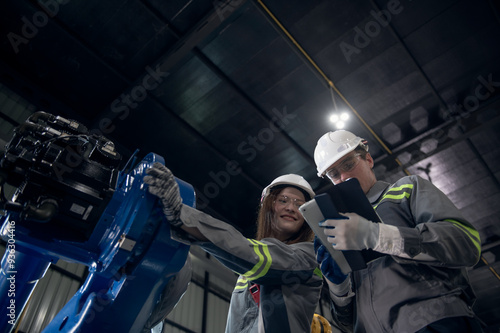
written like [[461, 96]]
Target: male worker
[[420, 284]]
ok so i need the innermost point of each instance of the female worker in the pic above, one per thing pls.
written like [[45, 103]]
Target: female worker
[[279, 284]]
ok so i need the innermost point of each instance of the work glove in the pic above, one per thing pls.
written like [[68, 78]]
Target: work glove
[[353, 233], [328, 266], [162, 184]]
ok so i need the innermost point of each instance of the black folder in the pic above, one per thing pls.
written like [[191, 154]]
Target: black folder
[[346, 197]]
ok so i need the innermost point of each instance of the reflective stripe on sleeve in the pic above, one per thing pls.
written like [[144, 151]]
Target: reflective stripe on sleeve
[[262, 266], [242, 283], [472, 233]]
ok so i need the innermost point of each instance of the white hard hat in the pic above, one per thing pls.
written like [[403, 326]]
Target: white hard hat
[[332, 146], [292, 180]]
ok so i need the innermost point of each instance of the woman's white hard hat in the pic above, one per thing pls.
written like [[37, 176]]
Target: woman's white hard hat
[[291, 180]]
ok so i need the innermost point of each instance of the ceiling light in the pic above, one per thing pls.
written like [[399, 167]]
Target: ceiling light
[[339, 120], [334, 118]]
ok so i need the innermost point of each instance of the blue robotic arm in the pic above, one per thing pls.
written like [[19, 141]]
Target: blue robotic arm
[[72, 203]]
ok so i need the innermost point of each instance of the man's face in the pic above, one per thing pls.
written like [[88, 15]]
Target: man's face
[[353, 165]]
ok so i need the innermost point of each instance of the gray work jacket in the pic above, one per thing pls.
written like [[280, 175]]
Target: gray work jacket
[[288, 276], [402, 294]]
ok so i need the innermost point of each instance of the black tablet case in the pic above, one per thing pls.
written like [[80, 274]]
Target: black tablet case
[[348, 197]]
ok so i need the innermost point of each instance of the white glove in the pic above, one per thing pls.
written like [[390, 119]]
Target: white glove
[[162, 183], [353, 233]]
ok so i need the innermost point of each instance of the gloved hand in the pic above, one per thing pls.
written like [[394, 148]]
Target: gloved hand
[[327, 265], [162, 183], [353, 233]]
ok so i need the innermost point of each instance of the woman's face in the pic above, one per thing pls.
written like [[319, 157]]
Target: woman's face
[[287, 217]]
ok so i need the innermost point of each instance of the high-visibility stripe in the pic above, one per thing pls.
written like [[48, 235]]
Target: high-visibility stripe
[[391, 195], [402, 187], [242, 283], [472, 233], [407, 188], [318, 272], [396, 196], [262, 266]]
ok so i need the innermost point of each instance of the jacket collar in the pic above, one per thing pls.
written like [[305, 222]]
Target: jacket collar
[[376, 191]]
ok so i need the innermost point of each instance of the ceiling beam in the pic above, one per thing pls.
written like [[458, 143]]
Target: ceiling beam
[[399, 40], [442, 104], [185, 44], [188, 44], [255, 107]]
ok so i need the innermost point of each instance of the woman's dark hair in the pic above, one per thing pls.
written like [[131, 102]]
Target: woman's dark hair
[[265, 221]]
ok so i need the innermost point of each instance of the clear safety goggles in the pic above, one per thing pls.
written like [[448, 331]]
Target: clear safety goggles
[[283, 200], [346, 165]]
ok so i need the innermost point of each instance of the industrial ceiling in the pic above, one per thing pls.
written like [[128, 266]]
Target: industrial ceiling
[[235, 93]]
